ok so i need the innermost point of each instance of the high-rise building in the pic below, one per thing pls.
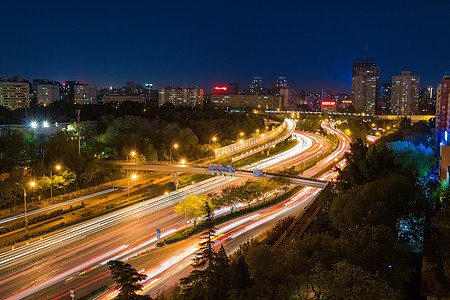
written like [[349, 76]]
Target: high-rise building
[[289, 97], [149, 88], [68, 89], [187, 97], [14, 93], [405, 94], [278, 84], [85, 94], [385, 96], [256, 86], [233, 89], [427, 97], [365, 85], [442, 108], [47, 94], [314, 100]]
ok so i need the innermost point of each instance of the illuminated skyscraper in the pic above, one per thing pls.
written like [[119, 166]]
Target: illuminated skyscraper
[[278, 84], [365, 85], [442, 108], [405, 94], [256, 86]]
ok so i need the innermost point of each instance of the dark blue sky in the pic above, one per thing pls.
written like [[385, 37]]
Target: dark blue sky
[[204, 43]]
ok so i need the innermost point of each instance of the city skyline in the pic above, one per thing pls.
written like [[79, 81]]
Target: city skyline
[[107, 43]]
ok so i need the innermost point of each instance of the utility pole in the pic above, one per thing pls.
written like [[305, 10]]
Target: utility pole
[[79, 133]]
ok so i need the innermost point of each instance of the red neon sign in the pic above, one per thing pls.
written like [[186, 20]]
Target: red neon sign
[[221, 88], [328, 103]]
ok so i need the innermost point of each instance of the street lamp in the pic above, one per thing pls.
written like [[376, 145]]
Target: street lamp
[[183, 161], [242, 133], [134, 176], [174, 146], [214, 139], [32, 184], [57, 167]]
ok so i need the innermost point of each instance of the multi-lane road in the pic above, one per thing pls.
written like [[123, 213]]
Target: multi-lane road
[[75, 258]]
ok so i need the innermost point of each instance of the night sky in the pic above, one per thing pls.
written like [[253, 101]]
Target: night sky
[[204, 43]]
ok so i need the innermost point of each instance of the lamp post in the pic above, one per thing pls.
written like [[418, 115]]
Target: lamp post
[[174, 146], [32, 184], [214, 139], [57, 167], [134, 176]]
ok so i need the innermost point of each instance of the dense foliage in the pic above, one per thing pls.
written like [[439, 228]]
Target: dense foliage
[[112, 133], [362, 245]]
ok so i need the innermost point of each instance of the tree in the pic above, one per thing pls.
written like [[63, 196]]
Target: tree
[[192, 206], [199, 283], [128, 280]]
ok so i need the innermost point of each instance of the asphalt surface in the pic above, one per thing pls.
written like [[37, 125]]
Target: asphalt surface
[[75, 258]]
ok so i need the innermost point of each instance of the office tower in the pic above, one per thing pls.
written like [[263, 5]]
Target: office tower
[[442, 108], [233, 89], [314, 99], [427, 97], [278, 84], [405, 94], [85, 94], [187, 97], [68, 88], [256, 86], [149, 88], [289, 97], [47, 94], [365, 85], [301, 98], [385, 96], [14, 93]]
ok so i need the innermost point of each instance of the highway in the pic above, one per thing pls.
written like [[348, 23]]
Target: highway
[[70, 258], [166, 272]]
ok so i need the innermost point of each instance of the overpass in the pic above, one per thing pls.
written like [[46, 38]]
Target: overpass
[[248, 147], [298, 180]]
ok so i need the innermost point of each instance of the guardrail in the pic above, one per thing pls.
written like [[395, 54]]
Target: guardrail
[[251, 142]]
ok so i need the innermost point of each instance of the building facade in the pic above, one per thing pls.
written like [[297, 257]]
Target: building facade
[[14, 93], [261, 102], [256, 86], [47, 94], [442, 108], [365, 85], [187, 97], [85, 94], [117, 98], [405, 94]]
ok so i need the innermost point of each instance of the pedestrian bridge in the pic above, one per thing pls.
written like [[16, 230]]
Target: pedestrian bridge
[[171, 168]]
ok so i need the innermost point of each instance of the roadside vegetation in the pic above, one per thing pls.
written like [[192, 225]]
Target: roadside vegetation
[[367, 239], [108, 133]]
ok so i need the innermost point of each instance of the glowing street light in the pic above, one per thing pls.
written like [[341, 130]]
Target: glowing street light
[[183, 162], [175, 146], [133, 177], [57, 168], [241, 134], [33, 124], [32, 184]]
